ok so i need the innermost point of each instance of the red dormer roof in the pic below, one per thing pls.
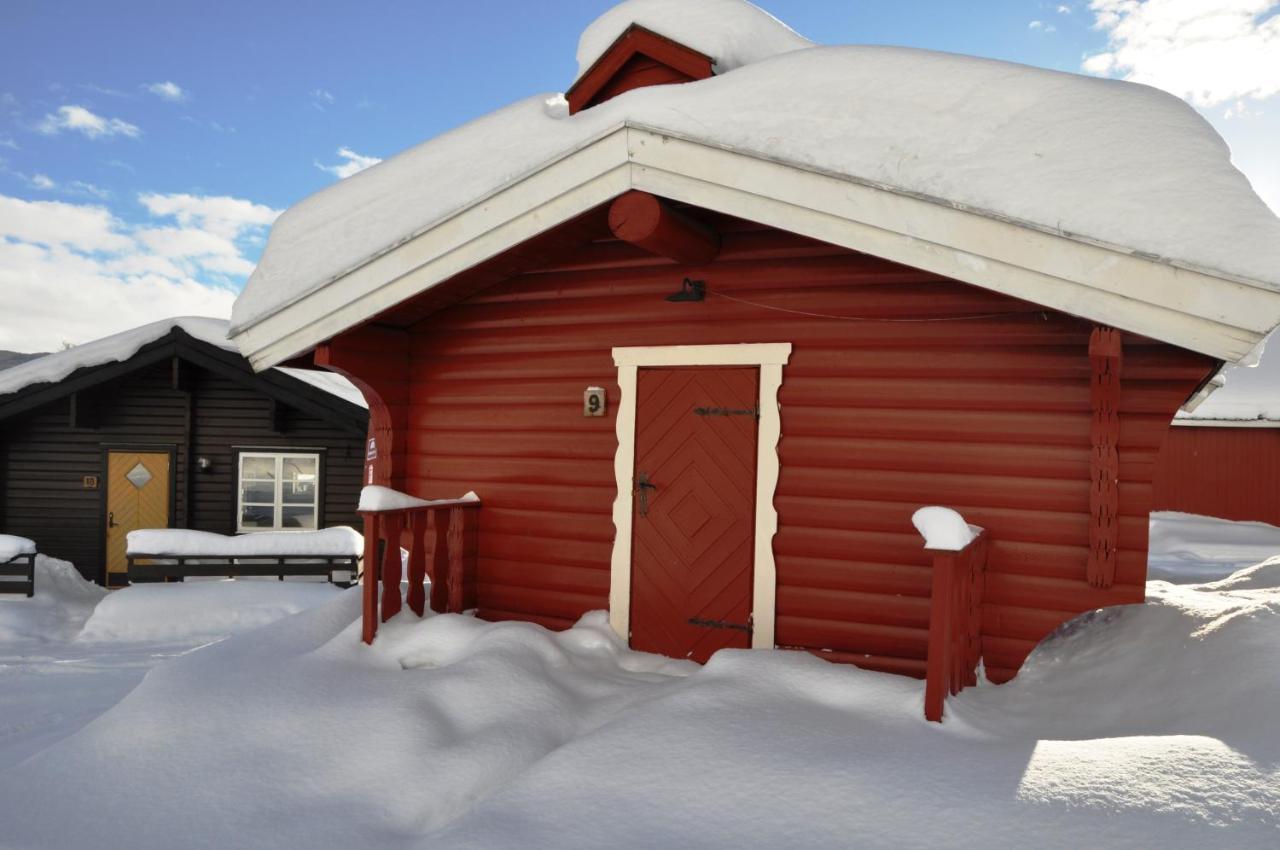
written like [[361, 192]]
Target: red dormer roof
[[639, 57]]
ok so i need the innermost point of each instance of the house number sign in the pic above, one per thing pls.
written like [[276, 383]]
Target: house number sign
[[593, 401]]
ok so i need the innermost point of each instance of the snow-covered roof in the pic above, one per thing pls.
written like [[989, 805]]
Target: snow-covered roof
[[1099, 161], [121, 346], [1247, 395]]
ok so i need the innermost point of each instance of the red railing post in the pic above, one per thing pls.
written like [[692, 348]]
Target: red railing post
[[937, 675], [955, 623], [456, 540], [417, 563], [440, 560], [391, 570], [370, 609]]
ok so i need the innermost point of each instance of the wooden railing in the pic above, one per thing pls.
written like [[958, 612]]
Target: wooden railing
[[451, 525], [955, 623]]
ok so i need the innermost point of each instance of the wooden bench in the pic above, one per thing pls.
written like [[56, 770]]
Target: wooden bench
[[22, 566], [161, 567]]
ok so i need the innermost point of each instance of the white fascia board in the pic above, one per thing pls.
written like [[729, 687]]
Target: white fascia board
[[1224, 318], [1226, 423], [1192, 309]]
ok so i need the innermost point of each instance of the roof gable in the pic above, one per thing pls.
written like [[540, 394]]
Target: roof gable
[[638, 58], [185, 346], [1155, 230]]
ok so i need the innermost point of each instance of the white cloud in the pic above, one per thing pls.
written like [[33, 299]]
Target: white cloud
[[1042, 26], [43, 181], [167, 90], [321, 98], [81, 120], [1206, 53], [77, 272], [354, 164], [225, 216], [1064, 10], [84, 228], [80, 187], [8, 142]]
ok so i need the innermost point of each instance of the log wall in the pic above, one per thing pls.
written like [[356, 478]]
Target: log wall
[[1232, 473], [988, 415]]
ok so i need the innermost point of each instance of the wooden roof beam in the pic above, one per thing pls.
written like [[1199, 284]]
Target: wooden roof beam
[[654, 225]]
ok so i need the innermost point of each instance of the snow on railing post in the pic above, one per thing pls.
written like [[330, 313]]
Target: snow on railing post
[[955, 606]]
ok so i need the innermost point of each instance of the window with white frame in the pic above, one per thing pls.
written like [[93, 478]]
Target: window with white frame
[[278, 491]]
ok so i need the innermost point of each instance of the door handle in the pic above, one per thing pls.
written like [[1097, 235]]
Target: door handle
[[111, 519], [643, 486]]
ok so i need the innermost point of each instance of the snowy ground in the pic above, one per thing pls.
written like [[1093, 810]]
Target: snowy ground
[[1143, 726], [73, 651]]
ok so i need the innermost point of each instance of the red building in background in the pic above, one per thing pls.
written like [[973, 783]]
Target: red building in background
[[1222, 459]]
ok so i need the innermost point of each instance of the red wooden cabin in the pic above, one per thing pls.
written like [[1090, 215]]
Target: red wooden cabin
[[792, 362], [1222, 459]]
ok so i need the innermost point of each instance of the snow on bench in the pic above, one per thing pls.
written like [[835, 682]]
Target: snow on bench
[[17, 560], [177, 553]]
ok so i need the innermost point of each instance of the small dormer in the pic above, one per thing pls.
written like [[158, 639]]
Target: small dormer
[[637, 58]]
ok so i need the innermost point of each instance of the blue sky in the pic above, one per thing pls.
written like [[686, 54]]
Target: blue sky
[[145, 147]]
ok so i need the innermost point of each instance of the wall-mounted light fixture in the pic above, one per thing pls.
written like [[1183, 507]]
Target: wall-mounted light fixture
[[690, 290], [204, 463]]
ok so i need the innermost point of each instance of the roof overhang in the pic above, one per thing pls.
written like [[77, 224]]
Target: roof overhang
[[1194, 309], [178, 343]]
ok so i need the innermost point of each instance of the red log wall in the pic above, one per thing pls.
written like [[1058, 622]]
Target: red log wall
[[990, 416], [1233, 473]]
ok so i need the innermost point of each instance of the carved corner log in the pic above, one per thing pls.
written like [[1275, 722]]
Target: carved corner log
[[1105, 360]]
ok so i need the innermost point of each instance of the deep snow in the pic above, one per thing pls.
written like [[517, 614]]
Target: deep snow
[[1186, 548], [56, 675], [1142, 726]]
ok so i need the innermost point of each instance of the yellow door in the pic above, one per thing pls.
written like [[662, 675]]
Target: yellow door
[[137, 497]]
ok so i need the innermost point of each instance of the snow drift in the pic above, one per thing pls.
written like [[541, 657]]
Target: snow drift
[[198, 610], [1187, 548], [63, 601], [1134, 727]]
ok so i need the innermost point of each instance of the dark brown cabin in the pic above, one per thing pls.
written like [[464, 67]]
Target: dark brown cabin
[[178, 435]]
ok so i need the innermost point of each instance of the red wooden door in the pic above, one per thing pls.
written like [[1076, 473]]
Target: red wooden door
[[694, 527]]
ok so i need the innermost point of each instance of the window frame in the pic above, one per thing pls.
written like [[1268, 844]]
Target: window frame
[[279, 456]]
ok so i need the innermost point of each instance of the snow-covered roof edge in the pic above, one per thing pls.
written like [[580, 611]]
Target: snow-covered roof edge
[[1161, 165], [1246, 395], [116, 348]]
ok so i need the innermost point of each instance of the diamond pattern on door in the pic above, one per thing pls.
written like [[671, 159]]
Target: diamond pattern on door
[[139, 476], [693, 549]]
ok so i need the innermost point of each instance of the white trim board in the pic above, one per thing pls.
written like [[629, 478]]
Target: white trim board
[[1192, 308], [770, 357]]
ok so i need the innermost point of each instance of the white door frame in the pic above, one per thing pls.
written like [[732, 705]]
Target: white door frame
[[770, 357]]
